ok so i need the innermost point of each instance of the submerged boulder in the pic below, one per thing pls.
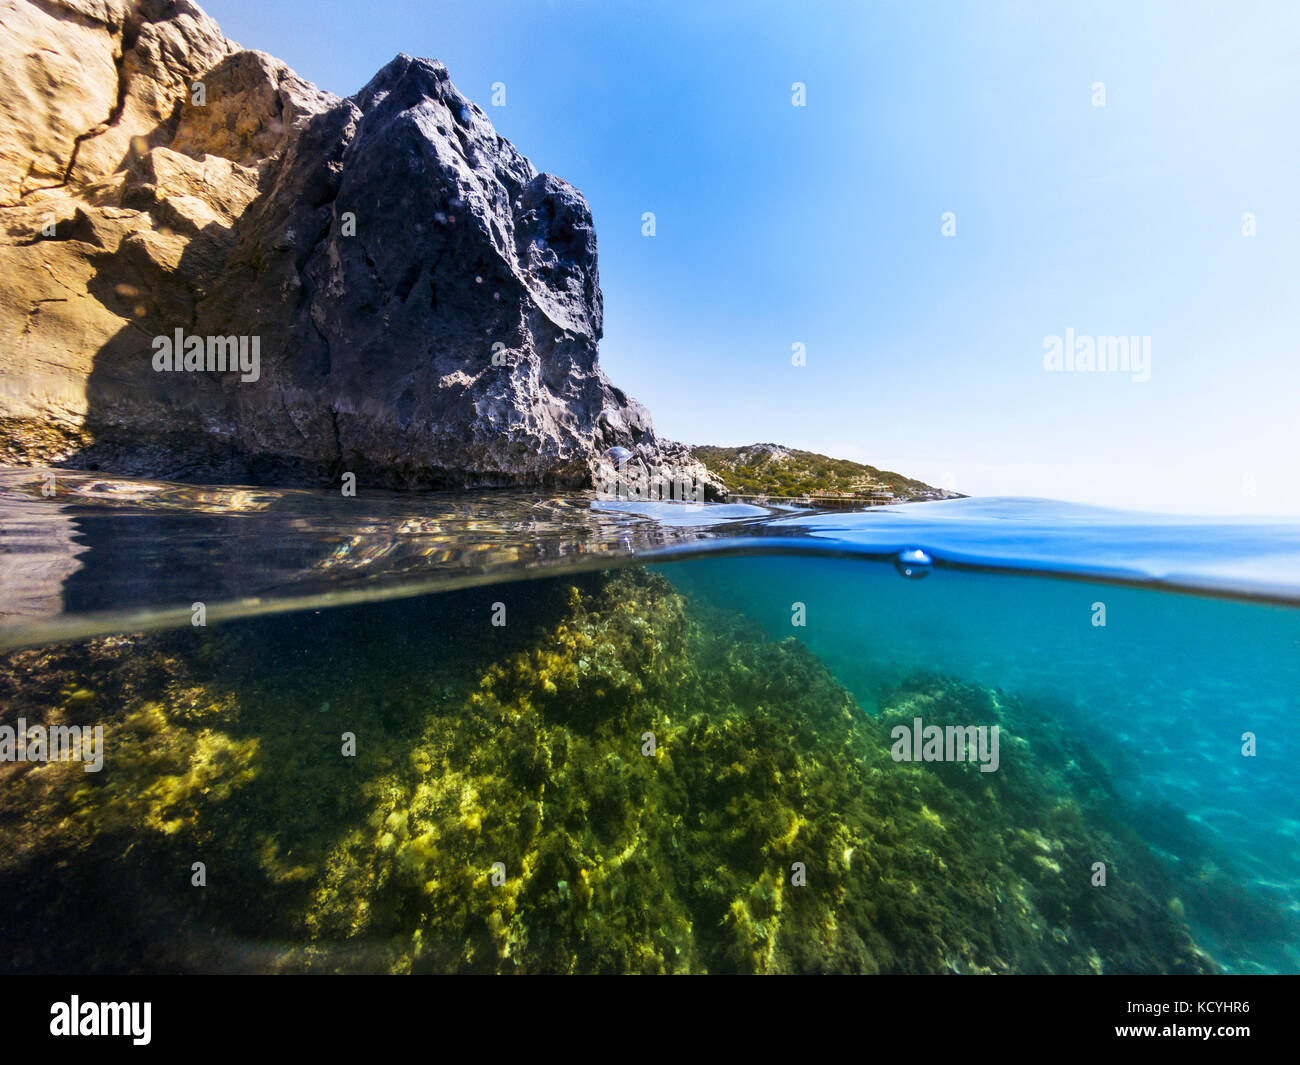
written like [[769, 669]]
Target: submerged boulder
[[213, 270]]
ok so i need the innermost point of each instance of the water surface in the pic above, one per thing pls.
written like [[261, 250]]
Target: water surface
[[499, 660]]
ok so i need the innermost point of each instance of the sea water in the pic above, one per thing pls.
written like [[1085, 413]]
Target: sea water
[[270, 730]]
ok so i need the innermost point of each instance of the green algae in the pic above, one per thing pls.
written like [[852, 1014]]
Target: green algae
[[500, 813]]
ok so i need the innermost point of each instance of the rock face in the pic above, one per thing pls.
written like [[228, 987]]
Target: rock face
[[414, 302]]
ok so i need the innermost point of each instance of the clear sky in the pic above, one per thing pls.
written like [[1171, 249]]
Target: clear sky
[[822, 225]]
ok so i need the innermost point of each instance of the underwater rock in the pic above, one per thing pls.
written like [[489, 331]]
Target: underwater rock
[[425, 306], [617, 781]]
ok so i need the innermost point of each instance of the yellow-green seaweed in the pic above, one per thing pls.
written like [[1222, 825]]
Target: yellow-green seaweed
[[529, 753]]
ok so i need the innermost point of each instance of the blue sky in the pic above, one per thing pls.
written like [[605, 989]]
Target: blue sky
[[821, 225]]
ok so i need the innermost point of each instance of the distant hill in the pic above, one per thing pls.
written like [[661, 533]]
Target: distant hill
[[773, 470]]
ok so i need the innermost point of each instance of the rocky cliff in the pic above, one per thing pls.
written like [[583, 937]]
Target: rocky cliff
[[212, 270]]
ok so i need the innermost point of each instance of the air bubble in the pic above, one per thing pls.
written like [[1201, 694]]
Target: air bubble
[[914, 563]]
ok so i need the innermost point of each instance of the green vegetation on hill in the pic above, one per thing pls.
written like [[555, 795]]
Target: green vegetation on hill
[[767, 469]]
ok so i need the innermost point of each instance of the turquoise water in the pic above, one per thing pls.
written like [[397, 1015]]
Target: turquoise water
[[499, 660], [1165, 691]]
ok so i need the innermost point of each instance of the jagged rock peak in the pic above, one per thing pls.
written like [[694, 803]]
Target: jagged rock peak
[[424, 306]]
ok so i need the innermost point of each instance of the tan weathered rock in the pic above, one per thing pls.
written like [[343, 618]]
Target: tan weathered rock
[[60, 82]]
